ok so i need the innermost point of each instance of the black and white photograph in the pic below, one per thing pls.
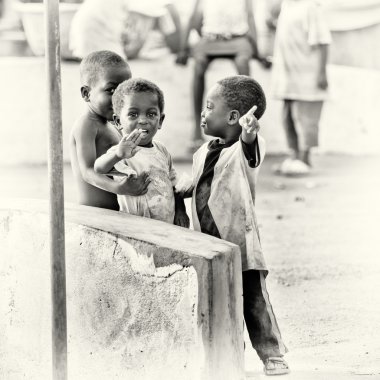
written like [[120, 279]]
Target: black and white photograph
[[190, 189]]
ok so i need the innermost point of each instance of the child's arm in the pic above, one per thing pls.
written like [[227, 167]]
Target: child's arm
[[127, 148], [180, 217], [253, 144], [85, 135]]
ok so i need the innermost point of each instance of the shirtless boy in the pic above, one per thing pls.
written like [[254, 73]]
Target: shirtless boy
[[93, 134]]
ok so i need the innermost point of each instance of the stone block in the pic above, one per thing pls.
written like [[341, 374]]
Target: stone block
[[145, 300]]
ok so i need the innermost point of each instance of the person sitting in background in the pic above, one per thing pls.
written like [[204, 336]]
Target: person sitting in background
[[227, 30]]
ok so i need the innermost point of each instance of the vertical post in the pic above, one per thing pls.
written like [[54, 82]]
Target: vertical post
[[55, 168]]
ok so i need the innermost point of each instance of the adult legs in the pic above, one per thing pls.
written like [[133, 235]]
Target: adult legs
[[306, 116], [289, 128], [200, 67], [242, 64]]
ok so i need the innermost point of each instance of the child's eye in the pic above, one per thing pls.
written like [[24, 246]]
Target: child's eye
[[110, 90], [152, 115], [132, 114]]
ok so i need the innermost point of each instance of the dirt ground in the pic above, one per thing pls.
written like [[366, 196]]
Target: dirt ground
[[320, 235]]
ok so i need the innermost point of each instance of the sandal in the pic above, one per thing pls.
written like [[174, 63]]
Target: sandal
[[275, 366]]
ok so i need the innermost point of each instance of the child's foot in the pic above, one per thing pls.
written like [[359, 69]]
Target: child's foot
[[275, 366]]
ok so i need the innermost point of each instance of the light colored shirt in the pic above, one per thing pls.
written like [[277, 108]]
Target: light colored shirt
[[158, 202], [232, 201], [301, 28], [224, 17]]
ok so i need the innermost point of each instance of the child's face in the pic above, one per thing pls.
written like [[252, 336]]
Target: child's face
[[214, 117], [100, 94], [141, 111]]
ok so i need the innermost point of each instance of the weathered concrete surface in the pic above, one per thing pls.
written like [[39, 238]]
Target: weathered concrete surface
[[144, 299]]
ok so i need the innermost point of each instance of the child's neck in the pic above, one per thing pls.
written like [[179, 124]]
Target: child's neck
[[229, 139], [147, 145], [95, 116]]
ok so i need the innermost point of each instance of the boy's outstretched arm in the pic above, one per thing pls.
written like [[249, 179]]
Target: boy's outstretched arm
[[127, 148], [84, 137]]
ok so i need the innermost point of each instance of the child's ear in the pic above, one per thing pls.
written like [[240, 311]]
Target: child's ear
[[116, 120], [233, 117], [162, 117], [85, 91]]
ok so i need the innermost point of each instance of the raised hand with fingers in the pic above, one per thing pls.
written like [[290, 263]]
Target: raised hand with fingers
[[128, 145], [249, 122], [250, 126]]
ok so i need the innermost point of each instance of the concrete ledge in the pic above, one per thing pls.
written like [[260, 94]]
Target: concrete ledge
[[145, 300]]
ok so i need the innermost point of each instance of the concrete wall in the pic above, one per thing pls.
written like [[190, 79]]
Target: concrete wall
[[145, 300]]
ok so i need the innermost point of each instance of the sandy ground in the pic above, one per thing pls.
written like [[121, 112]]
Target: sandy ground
[[321, 238]]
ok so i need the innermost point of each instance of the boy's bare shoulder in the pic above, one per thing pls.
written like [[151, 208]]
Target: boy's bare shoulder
[[85, 125], [85, 122]]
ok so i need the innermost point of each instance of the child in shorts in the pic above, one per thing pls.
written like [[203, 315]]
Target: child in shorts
[[223, 192], [138, 105]]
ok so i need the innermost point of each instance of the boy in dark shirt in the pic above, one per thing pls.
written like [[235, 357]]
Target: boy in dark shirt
[[223, 200]]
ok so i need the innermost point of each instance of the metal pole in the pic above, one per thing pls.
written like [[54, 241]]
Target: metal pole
[[55, 169]]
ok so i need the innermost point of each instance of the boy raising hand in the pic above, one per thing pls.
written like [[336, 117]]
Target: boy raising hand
[[223, 201]]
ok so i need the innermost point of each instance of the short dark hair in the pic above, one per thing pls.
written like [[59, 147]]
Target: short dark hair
[[134, 85], [241, 93], [96, 63]]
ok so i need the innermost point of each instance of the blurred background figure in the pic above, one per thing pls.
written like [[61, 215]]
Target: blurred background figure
[[300, 79], [227, 30], [145, 16], [98, 25], [122, 26]]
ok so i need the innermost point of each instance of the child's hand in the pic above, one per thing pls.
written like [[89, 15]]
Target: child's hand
[[134, 185], [181, 219], [184, 183], [128, 145], [249, 122]]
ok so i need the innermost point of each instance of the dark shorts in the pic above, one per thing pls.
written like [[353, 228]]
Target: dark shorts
[[228, 48]]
